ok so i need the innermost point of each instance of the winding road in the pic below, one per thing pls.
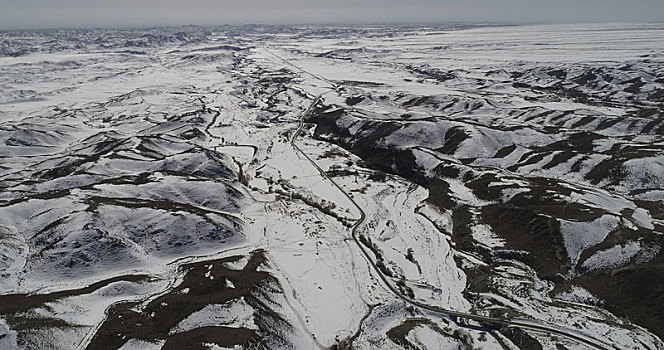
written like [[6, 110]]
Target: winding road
[[523, 323]]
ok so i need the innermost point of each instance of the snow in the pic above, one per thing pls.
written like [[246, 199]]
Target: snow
[[89, 309], [483, 233], [235, 313], [613, 257], [577, 294], [517, 285], [8, 339], [579, 236], [600, 199], [286, 207], [427, 338], [650, 170], [642, 218], [136, 344], [464, 194], [443, 221], [217, 347]]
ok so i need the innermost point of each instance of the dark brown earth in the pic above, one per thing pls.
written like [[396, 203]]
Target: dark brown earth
[[13, 306], [204, 284], [521, 339], [529, 231], [196, 338], [528, 221], [633, 291], [398, 334]]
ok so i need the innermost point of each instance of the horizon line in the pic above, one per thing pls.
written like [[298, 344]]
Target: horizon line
[[338, 24]]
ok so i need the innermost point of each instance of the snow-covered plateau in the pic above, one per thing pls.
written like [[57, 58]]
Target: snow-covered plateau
[[278, 187]]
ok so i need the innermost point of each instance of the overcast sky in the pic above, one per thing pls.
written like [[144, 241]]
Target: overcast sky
[[27, 14]]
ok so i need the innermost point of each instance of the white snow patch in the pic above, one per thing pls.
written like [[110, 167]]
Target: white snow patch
[[427, 338], [236, 313], [211, 346], [578, 294], [442, 220], [579, 236], [508, 193], [482, 233], [137, 344], [8, 340], [642, 218], [465, 194], [613, 257]]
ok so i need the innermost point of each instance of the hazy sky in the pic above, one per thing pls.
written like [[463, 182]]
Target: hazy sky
[[120, 13]]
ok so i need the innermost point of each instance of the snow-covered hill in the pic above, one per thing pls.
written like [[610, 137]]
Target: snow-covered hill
[[374, 188]]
